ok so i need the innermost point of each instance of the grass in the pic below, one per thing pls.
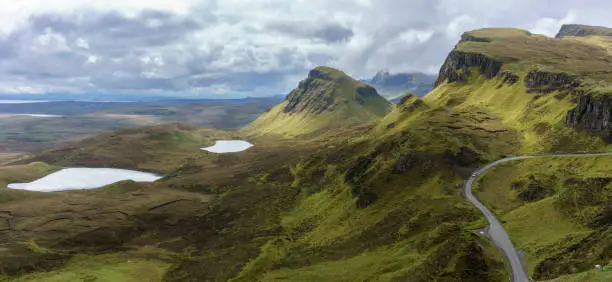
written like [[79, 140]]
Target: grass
[[556, 227], [111, 267], [538, 118], [538, 228], [376, 199], [520, 50], [333, 100], [156, 148], [83, 119], [592, 276], [382, 265]]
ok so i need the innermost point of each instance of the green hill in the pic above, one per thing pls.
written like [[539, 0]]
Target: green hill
[[557, 92], [327, 98], [583, 30]]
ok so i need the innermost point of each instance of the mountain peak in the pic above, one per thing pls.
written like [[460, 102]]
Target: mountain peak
[[326, 98], [581, 30]]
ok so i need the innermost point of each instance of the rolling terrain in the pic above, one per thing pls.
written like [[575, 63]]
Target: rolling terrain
[[343, 186], [70, 121]]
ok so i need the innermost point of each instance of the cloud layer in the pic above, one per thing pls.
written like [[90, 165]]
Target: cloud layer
[[239, 48]]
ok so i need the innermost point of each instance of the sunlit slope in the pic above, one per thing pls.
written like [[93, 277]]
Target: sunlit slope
[[555, 91], [556, 210], [327, 98]]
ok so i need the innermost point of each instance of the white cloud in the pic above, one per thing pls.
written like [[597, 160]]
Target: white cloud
[[82, 43], [550, 26], [257, 47]]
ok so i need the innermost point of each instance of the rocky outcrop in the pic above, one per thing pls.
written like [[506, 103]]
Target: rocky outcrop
[[546, 82], [583, 30], [410, 103], [592, 115], [364, 92], [465, 37], [298, 101], [457, 66], [507, 78]]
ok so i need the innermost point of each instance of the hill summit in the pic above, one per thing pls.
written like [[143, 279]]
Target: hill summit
[[580, 30], [327, 98]]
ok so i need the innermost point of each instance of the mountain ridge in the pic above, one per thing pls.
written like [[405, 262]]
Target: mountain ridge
[[581, 30], [326, 98]]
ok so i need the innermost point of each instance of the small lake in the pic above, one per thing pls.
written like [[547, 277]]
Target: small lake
[[84, 178], [228, 146]]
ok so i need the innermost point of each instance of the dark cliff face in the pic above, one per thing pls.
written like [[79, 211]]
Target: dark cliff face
[[546, 82], [583, 30], [468, 37], [310, 94], [592, 115], [457, 66]]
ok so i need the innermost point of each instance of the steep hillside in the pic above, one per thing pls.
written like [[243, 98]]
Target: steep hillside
[[327, 98], [394, 86], [377, 198], [557, 210], [555, 91], [583, 30]]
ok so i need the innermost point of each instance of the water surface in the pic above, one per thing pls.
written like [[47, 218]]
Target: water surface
[[83, 178], [228, 146]]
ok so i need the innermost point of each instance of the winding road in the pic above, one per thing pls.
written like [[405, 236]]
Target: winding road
[[496, 231]]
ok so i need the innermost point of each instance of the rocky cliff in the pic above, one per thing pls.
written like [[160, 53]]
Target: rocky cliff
[[592, 115], [326, 98], [583, 30], [546, 82], [457, 66]]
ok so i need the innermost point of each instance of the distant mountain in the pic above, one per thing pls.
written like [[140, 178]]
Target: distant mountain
[[327, 98], [581, 30], [394, 86]]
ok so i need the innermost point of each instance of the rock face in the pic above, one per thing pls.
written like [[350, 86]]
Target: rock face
[[327, 98], [547, 82], [583, 30], [593, 115], [457, 66], [320, 99]]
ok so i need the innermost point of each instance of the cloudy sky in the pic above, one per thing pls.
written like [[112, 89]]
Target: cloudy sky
[[228, 48]]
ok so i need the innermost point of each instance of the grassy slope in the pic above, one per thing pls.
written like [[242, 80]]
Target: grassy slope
[[545, 227], [285, 209], [520, 51], [342, 89], [539, 117], [106, 268], [155, 148], [418, 229], [379, 202]]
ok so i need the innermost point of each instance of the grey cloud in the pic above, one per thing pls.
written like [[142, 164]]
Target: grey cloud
[[261, 50], [329, 33]]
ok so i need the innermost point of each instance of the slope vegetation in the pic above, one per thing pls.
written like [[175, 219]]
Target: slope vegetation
[[557, 210], [327, 98], [375, 194], [555, 91]]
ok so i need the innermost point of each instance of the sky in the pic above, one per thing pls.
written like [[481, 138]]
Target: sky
[[223, 48]]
